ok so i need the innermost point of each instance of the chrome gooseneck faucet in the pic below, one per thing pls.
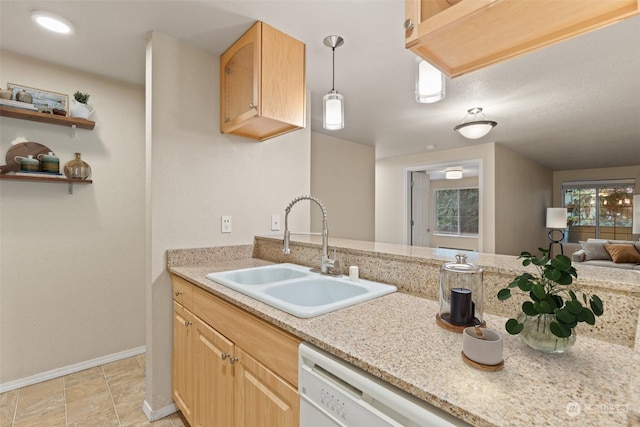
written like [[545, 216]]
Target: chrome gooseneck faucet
[[327, 263]]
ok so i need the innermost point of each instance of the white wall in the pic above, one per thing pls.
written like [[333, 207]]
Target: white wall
[[523, 192], [195, 175], [391, 191], [72, 266], [343, 178]]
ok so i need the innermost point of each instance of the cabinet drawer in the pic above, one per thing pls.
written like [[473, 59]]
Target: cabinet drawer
[[275, 348], [182, 292]]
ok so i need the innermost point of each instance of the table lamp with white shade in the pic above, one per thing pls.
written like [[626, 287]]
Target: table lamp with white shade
[[557, 221]]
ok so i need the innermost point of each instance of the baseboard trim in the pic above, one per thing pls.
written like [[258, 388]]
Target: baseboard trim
[[66, 370], [160, 413]]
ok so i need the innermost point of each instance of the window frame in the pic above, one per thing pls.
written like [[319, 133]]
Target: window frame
[[437, 232], [597, 186]]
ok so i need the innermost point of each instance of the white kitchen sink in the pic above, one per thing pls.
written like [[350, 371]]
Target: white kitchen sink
[[299, 291], [260, 275]]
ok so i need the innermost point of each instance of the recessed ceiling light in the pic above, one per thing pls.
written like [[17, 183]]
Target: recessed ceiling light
[[52, 22]]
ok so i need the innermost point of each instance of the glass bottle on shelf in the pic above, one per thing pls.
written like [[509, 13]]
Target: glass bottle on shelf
[[77, 168]]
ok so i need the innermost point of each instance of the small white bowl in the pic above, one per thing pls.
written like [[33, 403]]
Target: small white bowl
[[486, 350]]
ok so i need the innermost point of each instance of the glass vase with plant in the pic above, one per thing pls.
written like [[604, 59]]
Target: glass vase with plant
[[554, 309]]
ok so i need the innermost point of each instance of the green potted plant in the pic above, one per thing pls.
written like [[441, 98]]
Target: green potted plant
[[79, 109], [81, 97], [553, 309]]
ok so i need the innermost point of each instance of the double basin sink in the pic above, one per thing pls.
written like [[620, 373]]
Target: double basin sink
[[299, 291]]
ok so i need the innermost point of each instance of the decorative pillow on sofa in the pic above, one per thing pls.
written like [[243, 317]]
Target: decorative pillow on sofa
[[623, 253], [595, 250]]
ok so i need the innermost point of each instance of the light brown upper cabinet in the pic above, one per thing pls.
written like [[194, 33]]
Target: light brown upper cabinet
[[462, 36], [262, 84]]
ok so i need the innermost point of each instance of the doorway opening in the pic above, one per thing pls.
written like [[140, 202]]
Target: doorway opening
[[423, 183]]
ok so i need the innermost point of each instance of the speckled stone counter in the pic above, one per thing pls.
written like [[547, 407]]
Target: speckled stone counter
[[395, 338], [416, 270]]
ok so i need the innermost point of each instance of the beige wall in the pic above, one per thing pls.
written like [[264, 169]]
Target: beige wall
[[523, 192], [391, 191], [623, 172], [72, 275], [195, 175], [343, 178], [457, 242]]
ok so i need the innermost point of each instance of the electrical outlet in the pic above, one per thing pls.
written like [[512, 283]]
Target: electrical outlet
[[275, 222], [226, 223]]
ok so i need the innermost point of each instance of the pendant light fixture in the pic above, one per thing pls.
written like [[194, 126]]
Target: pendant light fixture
[[430, 83], [475, 128], [333, 102]]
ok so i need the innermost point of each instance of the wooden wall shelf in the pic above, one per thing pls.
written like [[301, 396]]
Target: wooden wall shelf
[[51, 119], [68, 181]]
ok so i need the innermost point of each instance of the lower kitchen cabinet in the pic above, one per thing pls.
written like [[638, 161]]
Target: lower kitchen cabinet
[[231, 368], [262, 398], [182, 369], [214, 396]]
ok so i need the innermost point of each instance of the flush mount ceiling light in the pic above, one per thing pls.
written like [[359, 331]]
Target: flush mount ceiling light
[[475, 128], [454, 173], [333, 102], [52, 22], [430, 83]]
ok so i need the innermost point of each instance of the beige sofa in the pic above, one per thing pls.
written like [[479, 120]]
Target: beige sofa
[[623, 254]]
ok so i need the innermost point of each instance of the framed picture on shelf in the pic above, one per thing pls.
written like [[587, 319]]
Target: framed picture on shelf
[[44, 100]]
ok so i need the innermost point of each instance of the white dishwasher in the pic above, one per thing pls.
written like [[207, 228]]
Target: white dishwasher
[[335, 393]]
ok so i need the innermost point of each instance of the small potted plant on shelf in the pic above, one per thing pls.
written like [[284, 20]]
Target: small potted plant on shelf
[[80, 109], [554, 309]]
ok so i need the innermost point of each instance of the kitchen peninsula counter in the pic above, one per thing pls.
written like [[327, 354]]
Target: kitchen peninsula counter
[[395, 338]]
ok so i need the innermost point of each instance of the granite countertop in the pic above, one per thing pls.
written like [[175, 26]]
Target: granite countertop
[[395, 337]]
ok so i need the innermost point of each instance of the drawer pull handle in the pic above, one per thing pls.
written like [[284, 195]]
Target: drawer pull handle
[[178, 293], [223, 356], [187, 323], [233, 360]]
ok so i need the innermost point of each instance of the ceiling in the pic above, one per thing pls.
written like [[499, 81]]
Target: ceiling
[[572, 105]]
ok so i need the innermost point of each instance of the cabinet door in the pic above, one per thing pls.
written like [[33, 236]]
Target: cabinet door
[[182, 366], [214, 382], [261, 397], [240, 80]]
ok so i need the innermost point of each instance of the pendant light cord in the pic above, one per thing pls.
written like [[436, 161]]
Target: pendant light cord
[[333, 69]]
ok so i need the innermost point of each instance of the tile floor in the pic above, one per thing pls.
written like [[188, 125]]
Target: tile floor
[[104, 396]]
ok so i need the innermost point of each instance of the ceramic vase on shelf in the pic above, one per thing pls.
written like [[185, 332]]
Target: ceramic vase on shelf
[[49, 162], [80, 110], [24, 96], [537, 335], [77, 168], [6, 94]]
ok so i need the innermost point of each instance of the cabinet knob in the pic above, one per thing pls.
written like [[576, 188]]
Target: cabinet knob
[[187, 323], [223, 356], [253, 106], [227, 119], [178, 293], [408, 24], [233, 360]]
